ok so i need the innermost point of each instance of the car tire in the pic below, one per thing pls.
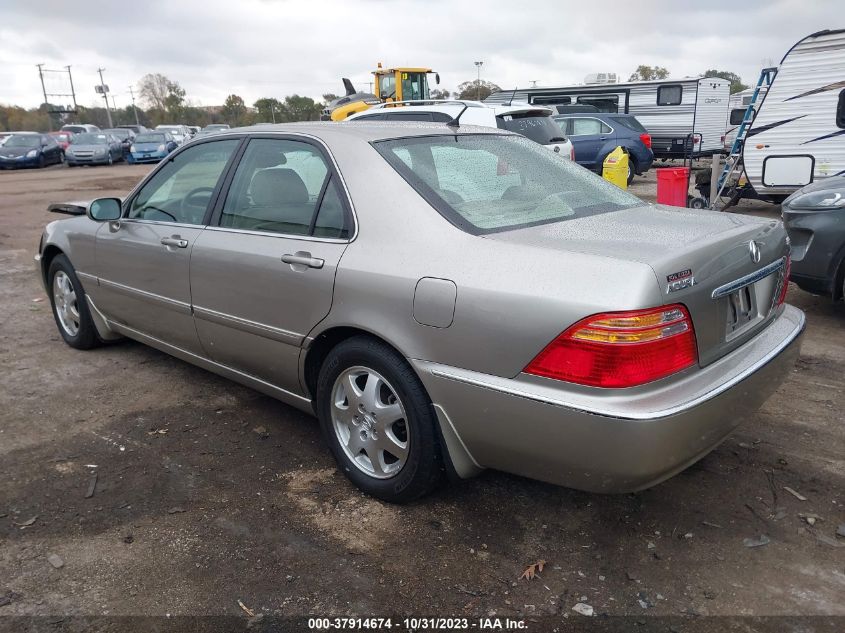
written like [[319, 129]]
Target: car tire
[[632, 169], [111, 160], [396, 458], [70, 309], [42, 162]]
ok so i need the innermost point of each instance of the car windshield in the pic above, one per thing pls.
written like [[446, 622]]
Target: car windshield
[[149, 138], [629, 122], [490, 183], [540, 129], [22, 140], [90, 139]]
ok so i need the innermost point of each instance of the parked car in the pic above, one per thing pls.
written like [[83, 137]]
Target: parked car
[[62, 139], [488, 304], [29, 150], [151, 147], [533, 122], [194, 129], [80, 128], [97, 148], [216, 127], [596, 134], [138, 129], [180, 133], [125, 136], [815, 220]]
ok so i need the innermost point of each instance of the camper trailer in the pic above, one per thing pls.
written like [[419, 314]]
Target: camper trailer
[[683, 116], [798, 134]]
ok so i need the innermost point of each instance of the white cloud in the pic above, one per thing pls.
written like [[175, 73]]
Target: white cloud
[[258, 48]]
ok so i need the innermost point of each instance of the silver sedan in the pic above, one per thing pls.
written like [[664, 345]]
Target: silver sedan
[[444, 298]]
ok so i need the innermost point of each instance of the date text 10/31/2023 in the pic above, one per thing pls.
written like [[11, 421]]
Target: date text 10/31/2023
[[417, 624]]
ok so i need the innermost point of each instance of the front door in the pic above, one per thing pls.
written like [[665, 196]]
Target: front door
[[143, 259], [263, 276], [588, 135]]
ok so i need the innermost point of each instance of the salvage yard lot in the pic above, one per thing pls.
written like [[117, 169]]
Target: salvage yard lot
[[207, 492]]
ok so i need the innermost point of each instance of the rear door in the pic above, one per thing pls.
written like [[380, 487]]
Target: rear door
[[263, 276], [143, 259]]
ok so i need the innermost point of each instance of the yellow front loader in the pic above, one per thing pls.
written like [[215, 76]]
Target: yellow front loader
[[391, 84]]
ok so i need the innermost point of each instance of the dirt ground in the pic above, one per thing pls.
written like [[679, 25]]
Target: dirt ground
[[208, 493]]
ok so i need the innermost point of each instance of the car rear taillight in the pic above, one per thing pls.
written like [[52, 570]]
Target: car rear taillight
[[646, 139], [621, 349], [571, 153], [787, 267]]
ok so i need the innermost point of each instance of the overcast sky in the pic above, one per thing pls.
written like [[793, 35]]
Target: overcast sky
[[258, 48]]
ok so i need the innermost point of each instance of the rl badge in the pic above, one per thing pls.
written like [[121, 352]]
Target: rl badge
[[680, 280]]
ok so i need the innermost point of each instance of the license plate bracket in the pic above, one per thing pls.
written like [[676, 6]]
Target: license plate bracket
[[742, 308]]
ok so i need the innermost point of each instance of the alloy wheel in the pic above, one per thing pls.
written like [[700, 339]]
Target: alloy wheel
[[370, 422], [65, 305]]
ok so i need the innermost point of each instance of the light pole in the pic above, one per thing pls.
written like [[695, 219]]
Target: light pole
[[478, 65], [104, 90], [134, 109]]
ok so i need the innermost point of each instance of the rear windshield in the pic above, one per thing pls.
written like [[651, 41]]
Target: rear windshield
[[540, 129], [149, 138], [90, 139], [629, 122], [491, 183]]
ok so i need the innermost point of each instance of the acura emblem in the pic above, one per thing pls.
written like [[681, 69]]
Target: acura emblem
[[754, 251]]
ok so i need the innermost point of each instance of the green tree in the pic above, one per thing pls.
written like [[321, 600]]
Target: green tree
[[439, 93], [296, 108], [736, 80], [234, 110], [329, 97], [475, 89], [269, 109], [161, 93], [648, 73]]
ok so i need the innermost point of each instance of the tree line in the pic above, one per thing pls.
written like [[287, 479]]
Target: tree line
[[163, 100]]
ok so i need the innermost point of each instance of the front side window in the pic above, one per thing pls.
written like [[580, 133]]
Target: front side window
[[489, 183], [669, 95], [278, 188], [181, 190]]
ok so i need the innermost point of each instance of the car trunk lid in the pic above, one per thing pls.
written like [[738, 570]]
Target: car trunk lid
[[700, 258]]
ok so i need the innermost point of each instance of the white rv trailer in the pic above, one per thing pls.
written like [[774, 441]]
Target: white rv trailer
[[668, 108], [798, 134]]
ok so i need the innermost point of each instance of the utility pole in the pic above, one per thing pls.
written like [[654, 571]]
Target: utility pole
[[533, 82], [72, 91], [134, 109], [104, 89], [478, 65], [44, 91]]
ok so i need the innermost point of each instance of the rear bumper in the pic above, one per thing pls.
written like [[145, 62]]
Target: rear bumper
[[619, 440]]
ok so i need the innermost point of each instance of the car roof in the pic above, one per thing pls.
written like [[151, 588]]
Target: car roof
[[454, 107], [595, 115], [365, 130]]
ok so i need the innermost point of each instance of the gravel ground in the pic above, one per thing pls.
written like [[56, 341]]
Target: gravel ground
[[206, 493]]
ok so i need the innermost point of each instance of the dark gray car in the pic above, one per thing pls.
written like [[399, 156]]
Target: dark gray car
[[815, 220]]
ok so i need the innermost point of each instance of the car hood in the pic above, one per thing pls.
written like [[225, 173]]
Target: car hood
[[86, 148]]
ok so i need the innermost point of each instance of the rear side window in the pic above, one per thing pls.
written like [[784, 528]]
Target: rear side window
[[669, 95], [737, 114], [540, 129], [408, 116], [629, 122], [840, 110]]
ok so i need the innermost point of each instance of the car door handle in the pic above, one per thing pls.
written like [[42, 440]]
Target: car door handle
[[303, 259], [175, 241]]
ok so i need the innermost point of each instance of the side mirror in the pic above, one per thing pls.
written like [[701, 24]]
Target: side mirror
[[437, 78], [104, 210]]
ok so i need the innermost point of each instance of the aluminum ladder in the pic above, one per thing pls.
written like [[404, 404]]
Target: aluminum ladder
[[733, 162]]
